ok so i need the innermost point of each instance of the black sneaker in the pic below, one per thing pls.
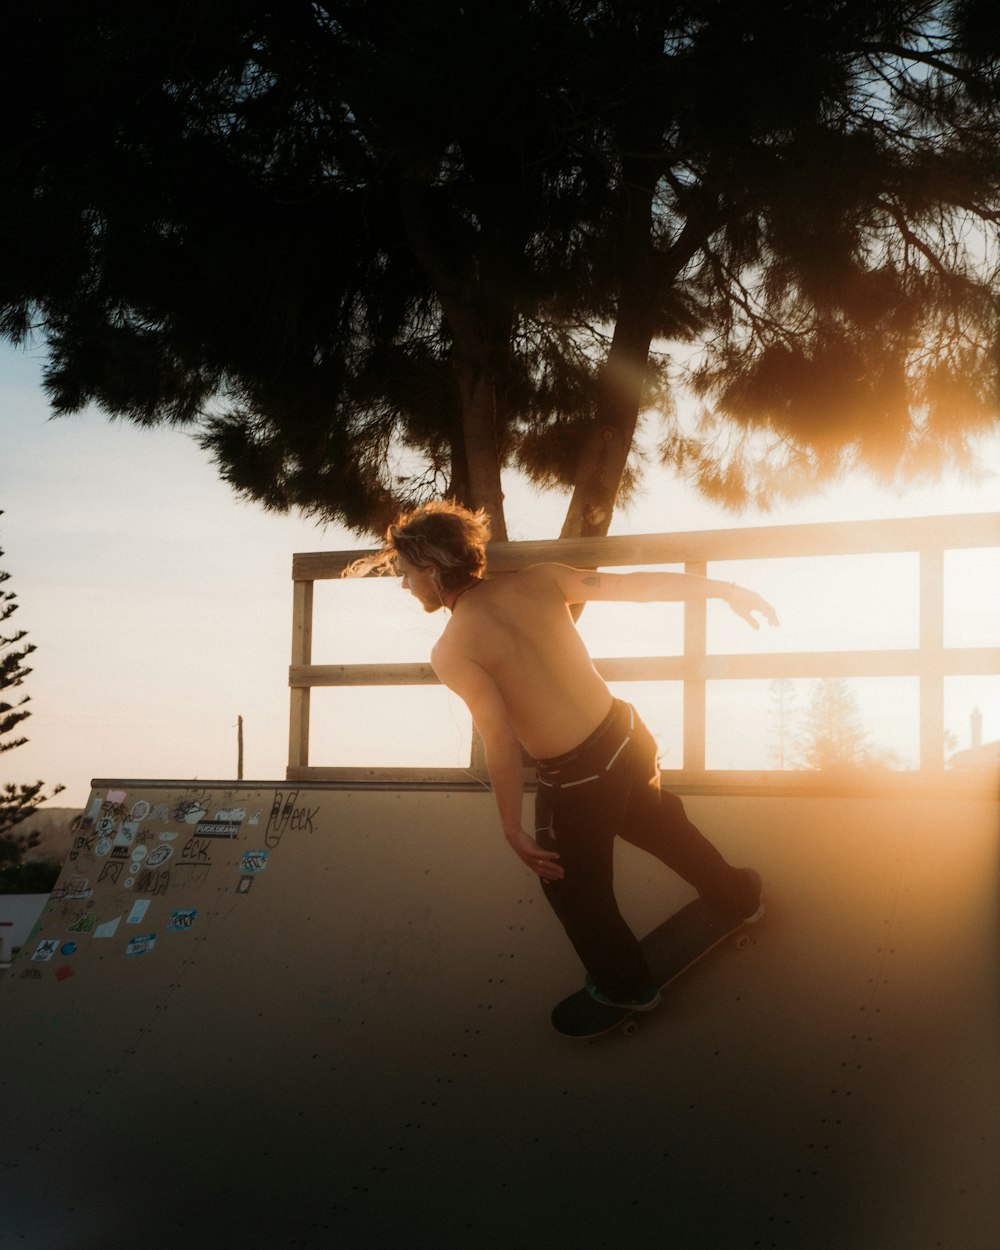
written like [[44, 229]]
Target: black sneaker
[[645, 1002], [758, 886]]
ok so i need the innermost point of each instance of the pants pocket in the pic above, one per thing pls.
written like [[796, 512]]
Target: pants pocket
[[544, 818]]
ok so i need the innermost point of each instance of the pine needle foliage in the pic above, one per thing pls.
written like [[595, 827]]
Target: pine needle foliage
[[17, 801], [366, 253]]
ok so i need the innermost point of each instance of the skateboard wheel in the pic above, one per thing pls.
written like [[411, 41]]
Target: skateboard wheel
[[741, 940]]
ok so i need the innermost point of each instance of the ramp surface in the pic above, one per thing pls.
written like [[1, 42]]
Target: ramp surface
[[265, 1016]]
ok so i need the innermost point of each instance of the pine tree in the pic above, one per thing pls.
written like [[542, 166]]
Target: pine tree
[[17, 801], [831, 735], [782, 691]]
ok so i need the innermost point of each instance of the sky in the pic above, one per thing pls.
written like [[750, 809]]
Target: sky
[[160, 608]]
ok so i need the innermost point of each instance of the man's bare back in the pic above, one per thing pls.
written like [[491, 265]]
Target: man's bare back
[[518, 630]]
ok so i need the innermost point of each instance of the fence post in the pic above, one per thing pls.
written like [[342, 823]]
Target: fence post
[[298, 716], [695, 650]]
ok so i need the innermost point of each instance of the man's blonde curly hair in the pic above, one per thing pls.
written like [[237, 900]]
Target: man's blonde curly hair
[[441, 535]]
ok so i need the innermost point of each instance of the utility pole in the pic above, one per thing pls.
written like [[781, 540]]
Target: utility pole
[[239, 748]]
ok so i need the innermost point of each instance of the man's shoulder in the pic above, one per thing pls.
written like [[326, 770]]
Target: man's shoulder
[[442, 649], [451, 649], [458, 669], [540, 574]]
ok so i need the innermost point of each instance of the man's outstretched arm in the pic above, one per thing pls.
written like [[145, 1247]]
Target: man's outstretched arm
[[479, 693], [584, 586]]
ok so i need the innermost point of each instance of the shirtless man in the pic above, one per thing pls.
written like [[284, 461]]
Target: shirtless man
[[512, 653]]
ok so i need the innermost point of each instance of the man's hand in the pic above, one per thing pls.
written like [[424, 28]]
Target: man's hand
[[745, 602], [541, 862]]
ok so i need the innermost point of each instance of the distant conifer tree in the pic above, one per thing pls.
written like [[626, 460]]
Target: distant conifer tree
[[832, 735], [783, 709], [17, 802]]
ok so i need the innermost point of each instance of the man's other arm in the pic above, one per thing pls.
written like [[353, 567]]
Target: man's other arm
[[586, 585]]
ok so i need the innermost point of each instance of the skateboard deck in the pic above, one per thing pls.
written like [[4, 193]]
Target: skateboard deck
[[670, 949]]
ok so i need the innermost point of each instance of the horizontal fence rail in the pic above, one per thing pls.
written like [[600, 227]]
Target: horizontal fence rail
[[931, 662]]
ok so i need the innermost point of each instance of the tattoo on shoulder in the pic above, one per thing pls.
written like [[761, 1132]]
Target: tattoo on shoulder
[[593, 580]]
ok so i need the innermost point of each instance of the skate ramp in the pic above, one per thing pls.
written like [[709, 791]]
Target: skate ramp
[[268, 1016]]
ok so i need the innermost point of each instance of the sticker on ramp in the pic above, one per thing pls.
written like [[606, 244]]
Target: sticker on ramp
[[254, 861], [217, 829], [45, 949], [189, 811], [182, 921], [141, 945], [139, 909]]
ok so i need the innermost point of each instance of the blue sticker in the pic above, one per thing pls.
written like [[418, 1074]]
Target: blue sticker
[[254, 861], [182, 921], [68, 948], [139, 909], [141, 945]]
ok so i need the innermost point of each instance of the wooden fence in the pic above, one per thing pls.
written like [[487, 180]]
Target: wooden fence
[[930, 662]]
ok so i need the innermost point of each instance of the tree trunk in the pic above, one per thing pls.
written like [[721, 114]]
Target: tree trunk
[[476, 376], [480, 344], [648, 277], [605, 451]]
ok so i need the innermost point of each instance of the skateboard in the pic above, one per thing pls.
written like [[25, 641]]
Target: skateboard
[[670, 949]]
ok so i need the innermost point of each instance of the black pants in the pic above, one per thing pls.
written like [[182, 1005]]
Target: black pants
[[609, 787]]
